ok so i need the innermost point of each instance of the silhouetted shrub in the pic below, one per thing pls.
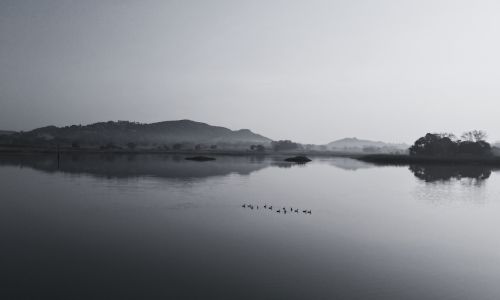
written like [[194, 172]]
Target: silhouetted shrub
[[258, 148], [474, 148], [285, 145]]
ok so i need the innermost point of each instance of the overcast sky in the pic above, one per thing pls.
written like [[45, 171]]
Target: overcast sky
[[311, 71]]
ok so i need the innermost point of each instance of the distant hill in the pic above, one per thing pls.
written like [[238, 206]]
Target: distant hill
[[359, 145], [123, 132]]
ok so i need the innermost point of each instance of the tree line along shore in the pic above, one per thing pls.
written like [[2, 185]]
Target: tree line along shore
[[444, 148]]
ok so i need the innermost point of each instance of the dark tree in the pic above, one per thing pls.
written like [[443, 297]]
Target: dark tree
[[284, 145], [480, 148], [442, 145], [434, 145]]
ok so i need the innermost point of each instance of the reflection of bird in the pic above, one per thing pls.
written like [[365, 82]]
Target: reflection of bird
[[257, 207], [296, 210], [309, 212], [284, 211]]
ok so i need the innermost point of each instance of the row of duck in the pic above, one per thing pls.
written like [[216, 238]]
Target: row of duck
[[277, 210]]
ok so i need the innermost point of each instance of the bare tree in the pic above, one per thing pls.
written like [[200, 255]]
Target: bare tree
[[474, 135], [479, 135]]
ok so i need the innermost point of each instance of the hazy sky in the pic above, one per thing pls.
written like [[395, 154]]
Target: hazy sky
[[311, 71]]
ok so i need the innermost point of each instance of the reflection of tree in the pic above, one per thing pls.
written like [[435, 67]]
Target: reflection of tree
[[431, 173]]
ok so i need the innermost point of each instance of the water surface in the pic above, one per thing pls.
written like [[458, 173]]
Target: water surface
[[160, 227]]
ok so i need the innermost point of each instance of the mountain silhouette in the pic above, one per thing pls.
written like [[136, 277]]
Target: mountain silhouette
[[123, 132]]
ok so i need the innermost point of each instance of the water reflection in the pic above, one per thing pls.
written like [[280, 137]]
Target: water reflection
[[473, 174], [349, 164], [126, 166], [176, 167], [85, 238]]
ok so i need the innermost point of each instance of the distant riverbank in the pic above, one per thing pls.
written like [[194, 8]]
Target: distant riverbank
[[380, 159], [389, 159], [9, 149]]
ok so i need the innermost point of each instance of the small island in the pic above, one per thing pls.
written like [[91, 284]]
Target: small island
[[298, 159], [200, 158], [442, 148]]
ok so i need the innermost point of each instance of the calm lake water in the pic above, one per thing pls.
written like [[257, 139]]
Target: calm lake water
[[160, 227]]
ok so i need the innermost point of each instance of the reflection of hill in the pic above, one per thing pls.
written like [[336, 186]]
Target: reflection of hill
[[124, 166], [349, 164], [431, 173]]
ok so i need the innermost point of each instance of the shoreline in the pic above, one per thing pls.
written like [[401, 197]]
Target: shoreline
[[403, 160], [376, 159], [27, 150]]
